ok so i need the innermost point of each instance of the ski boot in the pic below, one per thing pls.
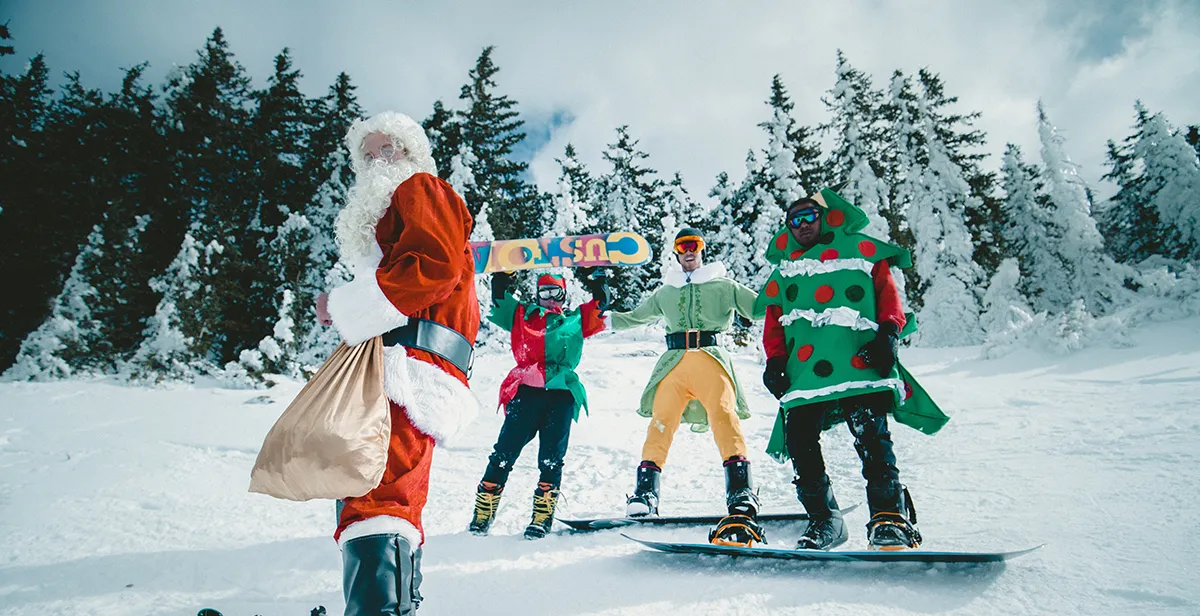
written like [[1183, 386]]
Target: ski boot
[[739, 528], [381, 574], [644, 501], [487, 501], [826, 528], [893, 524], [545, 497]]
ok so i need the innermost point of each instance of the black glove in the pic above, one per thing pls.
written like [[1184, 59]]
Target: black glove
[[775, 376], [501, 283], [880, 353], [596, 281]]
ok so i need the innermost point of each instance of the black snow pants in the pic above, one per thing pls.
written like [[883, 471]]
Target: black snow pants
[[546, 413], [866, 417]]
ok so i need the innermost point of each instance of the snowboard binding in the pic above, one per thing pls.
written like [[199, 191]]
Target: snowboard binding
[[737, 530], [890, 531]]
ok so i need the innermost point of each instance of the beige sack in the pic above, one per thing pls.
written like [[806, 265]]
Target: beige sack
[[332, 441]]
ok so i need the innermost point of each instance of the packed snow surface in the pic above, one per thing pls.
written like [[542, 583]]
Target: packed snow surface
[[118, 500]]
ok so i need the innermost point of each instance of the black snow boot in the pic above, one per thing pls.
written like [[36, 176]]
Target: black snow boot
[[739, 528], [826, 528], [380, 575], [487, 501], [644, 501], [544, 501], [893, 524]]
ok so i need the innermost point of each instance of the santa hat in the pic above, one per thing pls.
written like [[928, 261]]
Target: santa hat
[[405, 133], [552, 280]]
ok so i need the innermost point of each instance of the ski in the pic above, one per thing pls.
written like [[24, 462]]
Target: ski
[[916, 556], [608, 523]]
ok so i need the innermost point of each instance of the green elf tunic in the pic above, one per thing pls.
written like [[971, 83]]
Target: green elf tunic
[[705, 300], [827, 300]]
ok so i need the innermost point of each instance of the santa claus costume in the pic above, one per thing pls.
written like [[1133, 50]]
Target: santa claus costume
[[404, 232]]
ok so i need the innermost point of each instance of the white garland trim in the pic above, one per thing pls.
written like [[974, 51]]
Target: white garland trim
[[438, 404], [676, 277], [382, 525], [812, 267], [842, 315], [809, 394]]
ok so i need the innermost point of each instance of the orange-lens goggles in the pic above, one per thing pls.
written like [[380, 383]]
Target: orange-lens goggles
[[688, 244]]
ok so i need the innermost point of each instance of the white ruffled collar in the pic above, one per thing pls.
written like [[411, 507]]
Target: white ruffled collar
[[676, 277]]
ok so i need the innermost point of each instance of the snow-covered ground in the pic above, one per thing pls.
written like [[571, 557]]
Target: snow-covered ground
[[116, 500]]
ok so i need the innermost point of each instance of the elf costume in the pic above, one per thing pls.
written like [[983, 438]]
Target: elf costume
[[833, 318], [542, 395], [694, 381]]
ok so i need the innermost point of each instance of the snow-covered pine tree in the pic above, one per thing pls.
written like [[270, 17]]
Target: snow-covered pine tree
[[1094, 276], [732, 220], [210, 107], [167, 350], [962, 142], [1030, 234], [29, 265], [445, 136], [856, 162], [1130, 227], [1170, 184], [62, 345], [570, 210], [490, 128], [934, 194], [330, 165], [1004, 306], [628, 199]]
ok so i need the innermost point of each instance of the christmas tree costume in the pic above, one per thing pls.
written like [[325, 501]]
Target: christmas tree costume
[[541, 396], [694, 381], [825, 306]]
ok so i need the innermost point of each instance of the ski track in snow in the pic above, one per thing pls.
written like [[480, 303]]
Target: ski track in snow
[[125, 501]]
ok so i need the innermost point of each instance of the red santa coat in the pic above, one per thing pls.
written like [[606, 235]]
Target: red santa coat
[[424, 269]]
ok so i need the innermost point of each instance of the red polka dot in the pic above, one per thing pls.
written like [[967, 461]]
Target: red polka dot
[[829, 255], [781, 241], [824, 293], [804, 352], [907, 390], [835, 218], [867, 248], [772, 289], [858, 362], [796, 254]]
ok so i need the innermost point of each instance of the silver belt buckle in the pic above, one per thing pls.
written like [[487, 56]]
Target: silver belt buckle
[[687, 340]]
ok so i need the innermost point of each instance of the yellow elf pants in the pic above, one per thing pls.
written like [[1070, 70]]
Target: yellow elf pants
[[696, 377]]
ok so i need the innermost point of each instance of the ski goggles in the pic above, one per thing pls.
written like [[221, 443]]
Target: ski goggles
[[800, 217], [556, 293], [688, 244]]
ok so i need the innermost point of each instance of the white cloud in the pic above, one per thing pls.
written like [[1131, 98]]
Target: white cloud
[[690, 78]]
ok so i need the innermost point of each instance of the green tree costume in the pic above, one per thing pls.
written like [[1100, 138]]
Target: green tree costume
[[827, 298]]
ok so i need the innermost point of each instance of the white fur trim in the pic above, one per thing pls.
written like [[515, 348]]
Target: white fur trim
[[360, 310], [438, 404], [382, 525], [812, 267], [808, 394], [404, 131], [842, 315], [676, 277]]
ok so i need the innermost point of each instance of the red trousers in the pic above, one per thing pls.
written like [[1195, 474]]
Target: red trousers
[[405, 486]]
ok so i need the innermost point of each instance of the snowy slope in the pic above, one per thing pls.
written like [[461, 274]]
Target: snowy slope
[[116, 500]]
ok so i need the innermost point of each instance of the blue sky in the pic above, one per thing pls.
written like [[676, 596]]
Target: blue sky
[[689, 78]]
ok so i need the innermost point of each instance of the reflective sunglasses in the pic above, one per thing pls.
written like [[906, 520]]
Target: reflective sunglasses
[[799, 217], [557, 294], [683, 246]]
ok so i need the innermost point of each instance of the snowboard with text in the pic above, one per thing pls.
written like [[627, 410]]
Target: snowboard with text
[[620, 249]]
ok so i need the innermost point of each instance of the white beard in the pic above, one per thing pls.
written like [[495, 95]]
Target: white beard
[[366, 201]]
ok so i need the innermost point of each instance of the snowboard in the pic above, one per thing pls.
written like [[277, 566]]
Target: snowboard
[[909, 556], [621, 248], [607, 523]]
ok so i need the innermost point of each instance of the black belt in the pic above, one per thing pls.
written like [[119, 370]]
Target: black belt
[[435, 338], [691, 339]]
